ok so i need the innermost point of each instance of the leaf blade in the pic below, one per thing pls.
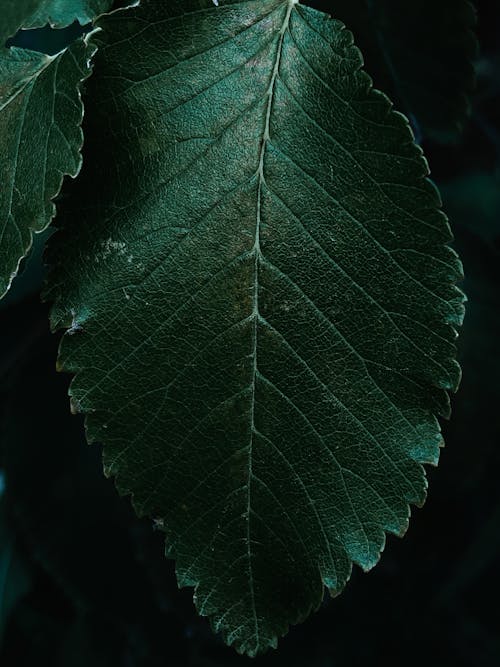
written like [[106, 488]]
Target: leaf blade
[[249, 293]]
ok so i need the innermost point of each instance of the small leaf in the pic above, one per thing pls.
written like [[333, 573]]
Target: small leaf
[[60, 13], [420, 52], [261, 302], [17, 14], [40, 117]]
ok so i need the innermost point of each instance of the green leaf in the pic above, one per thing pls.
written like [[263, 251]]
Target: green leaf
[[14, 14], [17, 14], [40, 132], [261, 302], [60, 13], [420, 52], [40, 118]]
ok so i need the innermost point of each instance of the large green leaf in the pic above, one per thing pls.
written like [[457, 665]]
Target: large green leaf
[[261, 301], [40, 118], [421, 52]]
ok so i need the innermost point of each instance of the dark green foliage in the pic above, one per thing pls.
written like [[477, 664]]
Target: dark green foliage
[[24, 14], [260, 292], [40, 122], [89, 584], [15, 13]]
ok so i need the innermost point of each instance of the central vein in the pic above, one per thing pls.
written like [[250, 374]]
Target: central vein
[[257, 254]]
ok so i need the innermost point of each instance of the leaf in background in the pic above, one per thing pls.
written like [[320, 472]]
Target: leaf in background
[[60, 13], [40, 122], [40, 133], [261, 302], [420, 52], [14, 15], [17, 14]]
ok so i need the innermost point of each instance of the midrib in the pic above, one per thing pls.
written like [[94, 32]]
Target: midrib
[[257, 253], [30, 79]]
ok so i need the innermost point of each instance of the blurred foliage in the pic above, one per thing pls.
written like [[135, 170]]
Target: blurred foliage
[[86, 580]]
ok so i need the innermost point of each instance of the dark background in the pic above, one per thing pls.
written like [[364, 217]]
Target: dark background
[[84, 582]]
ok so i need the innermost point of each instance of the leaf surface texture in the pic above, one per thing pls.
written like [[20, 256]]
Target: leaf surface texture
[[260, 301], [14, 15]]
